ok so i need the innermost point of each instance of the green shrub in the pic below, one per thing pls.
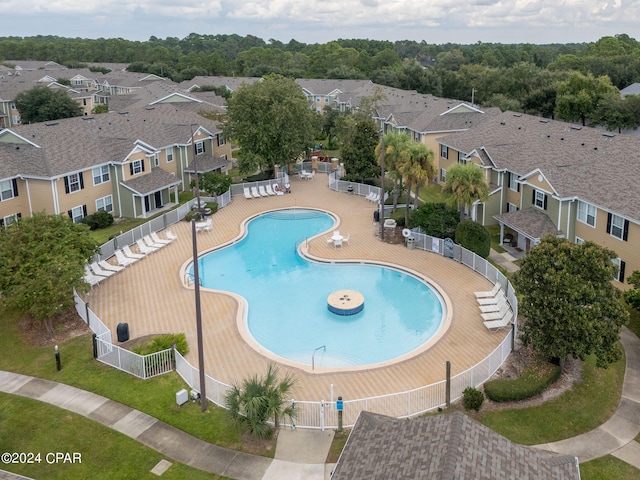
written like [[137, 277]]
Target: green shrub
[[474, 237], [534, 380], [163, 342], [472, 398], [100, 219], [435, 219], [213, 206]]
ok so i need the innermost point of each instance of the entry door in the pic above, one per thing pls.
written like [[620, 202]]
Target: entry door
[[147, 205], [158, 196]]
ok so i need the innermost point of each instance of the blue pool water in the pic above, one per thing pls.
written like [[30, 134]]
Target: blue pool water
[[287, 296]]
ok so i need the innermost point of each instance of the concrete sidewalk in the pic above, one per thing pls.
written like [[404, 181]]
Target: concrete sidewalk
[[615, 436], [298, 460], [301, 454]]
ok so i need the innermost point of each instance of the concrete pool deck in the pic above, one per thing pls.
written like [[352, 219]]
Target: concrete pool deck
[[150, 296]]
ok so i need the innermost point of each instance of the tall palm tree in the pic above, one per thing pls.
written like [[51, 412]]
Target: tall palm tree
[[394, 144], [467, 184], [417, 168], [256, 401]]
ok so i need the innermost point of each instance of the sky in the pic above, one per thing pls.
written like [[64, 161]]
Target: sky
[[321, 21]]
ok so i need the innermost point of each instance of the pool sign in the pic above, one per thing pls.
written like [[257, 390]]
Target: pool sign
[[339, 404]]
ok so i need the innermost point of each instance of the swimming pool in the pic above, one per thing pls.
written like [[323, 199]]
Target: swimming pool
[[287, 296]]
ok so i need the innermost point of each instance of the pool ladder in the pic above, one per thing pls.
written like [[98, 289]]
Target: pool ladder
[[313, 356]]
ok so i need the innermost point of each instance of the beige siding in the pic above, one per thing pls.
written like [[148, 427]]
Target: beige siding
[[41, 194], [15, 205]]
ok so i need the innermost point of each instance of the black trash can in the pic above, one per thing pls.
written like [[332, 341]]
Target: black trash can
[[376, 216], [123, 332]]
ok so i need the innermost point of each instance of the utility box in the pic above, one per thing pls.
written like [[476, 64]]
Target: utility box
[[182, 397]]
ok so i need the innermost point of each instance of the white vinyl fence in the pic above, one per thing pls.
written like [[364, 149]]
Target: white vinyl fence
[[317, 414]]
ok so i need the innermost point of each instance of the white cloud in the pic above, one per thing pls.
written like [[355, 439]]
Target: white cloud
[[313, 20]]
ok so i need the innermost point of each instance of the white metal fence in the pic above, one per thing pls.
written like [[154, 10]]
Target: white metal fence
[[319, 413]]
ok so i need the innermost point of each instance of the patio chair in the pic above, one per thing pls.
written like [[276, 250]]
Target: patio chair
[[262, 191], [345, 239], [491, 293], [276, 189], [157, 239], [496, 307], [124, 260], [491, 300], [370, 196], [247, 193], [501, 323], [337, 242], [495, 315], [127, 251], [204, 226], [109, 266], [254, 192], [95, 268], [268, 189], [144, 248], [171, 236], [151, 243]]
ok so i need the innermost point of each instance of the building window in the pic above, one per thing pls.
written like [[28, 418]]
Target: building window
[[8, 189], [540, 199], [617, 226], [9, 219], [620, 266], [587, 213], [443, 175], [73, 182], [513, 182], [579, 241], [444, 151], [78, 213], [169, 154], [511, 207], [221, 140], [101, 174], [199, 148], [105, 203], [156, 160], [136, 167], [317, 99], [326, 99]]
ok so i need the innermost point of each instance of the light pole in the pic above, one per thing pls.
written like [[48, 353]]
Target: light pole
[[196, 284], [382, 183]]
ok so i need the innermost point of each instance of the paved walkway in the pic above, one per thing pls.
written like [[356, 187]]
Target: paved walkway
[[302, 453]]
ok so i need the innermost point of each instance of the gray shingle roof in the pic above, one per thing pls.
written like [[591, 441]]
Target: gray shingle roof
[[154, 181], [530, 221], [75, 144], [598, 167], [444, 447]]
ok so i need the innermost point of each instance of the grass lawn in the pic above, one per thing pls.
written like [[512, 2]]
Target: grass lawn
[[432, 193], [588, 404], [494, 232], [155, 397], [104, 453], [608, 468]]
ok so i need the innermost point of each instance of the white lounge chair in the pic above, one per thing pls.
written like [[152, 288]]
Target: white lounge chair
[[254, 192], [99, 271], [369, 196], [247, 193], [276, 189], [144, 248], [109, 266], [171, 236], [495, 315], [159, 240], [151, 243], [90, 278], [501, 323], [495, 307], [127, 251], [124, 260], [491, 300], [375, 198], [262, 191], [268, 189], [491, 293]]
